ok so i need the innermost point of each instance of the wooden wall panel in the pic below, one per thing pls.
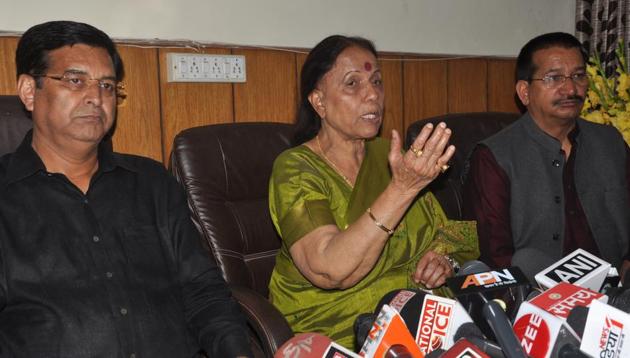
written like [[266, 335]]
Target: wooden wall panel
[[391, 69], [7, 65], [186, 105], [467, 85], [270, 93], [299, 62], [155, 111], [138, 127], [501, 90], [425, 90]]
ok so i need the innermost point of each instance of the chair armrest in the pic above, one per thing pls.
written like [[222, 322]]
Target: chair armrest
[[270, 326]]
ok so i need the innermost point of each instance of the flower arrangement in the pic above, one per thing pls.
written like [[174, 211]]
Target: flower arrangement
[[608, 97]]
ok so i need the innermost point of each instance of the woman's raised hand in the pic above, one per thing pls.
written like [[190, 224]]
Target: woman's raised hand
[[427, 157]]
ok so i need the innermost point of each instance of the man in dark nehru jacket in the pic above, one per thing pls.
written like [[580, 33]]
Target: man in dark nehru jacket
[[99, 256], [551, 182]]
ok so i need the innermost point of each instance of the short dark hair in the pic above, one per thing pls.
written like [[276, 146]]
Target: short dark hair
[[318, 62], [31, 56], [525, 66]]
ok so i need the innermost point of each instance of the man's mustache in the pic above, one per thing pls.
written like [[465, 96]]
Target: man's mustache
[[574, 97]]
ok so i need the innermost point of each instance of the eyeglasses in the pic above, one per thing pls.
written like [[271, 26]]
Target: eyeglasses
[[555, 81], [80, 81]]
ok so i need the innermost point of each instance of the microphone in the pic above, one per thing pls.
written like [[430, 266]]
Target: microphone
[[540, 333], [605, 331], [580, 268], [362, 325], [509, 284], [312, 345], [389, 337], [483, 286], [430, 319], [577, 320], [464, 349], [563, 297], [500, 325], [471, 332]]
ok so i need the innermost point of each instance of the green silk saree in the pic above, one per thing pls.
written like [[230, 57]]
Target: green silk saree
[[306, 193]]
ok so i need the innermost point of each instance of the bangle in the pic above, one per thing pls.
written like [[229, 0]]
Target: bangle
[[378, 224]]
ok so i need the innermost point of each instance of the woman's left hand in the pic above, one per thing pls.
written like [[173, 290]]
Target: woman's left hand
[[432, 270]]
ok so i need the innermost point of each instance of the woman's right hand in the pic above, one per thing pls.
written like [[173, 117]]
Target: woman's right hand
[[426, 158]]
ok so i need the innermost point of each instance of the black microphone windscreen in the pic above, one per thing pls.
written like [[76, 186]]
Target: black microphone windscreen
[[362, 326], [577, 319], [473, 334], [472, 267], [468, 330]]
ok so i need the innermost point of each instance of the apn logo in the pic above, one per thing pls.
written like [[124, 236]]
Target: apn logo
[[489, 279], [574, 269]]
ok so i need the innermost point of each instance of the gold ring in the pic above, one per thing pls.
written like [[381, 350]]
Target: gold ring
[[417, 152], [444, 168]]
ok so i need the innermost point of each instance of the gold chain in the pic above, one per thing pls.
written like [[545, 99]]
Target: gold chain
[[319, 146]]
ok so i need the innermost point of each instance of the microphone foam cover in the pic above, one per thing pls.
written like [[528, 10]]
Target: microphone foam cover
[[472, 267], [468, 330], [362, 326], [577, 319]]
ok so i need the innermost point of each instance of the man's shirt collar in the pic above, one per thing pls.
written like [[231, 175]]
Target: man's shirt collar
[[25, 162]]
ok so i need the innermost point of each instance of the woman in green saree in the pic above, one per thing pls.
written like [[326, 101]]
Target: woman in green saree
[[350, 207]]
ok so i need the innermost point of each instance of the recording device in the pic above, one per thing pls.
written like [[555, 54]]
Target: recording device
[[389, 337], [312, 345], [580, 268]]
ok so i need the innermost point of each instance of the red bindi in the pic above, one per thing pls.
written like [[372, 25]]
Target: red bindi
[[367, 66]]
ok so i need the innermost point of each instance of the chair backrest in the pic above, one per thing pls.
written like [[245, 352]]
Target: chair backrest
[[14, 123], [225, 170], [468, 129]]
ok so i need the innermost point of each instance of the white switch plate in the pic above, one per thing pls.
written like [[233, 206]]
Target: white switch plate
[[193, 67]]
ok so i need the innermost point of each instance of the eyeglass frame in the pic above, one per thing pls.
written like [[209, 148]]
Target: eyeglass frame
[[550, 83], [118, 85]]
